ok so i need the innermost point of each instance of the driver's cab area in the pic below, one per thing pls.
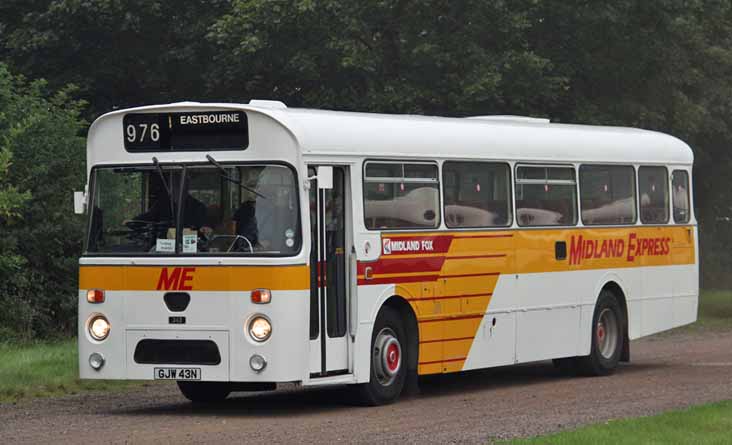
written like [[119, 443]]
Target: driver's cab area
[[194, 209]]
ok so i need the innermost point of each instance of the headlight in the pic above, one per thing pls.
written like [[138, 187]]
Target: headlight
[[260, 328], [99, 327]]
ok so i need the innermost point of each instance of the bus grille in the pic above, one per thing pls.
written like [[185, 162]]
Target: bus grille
[[177, 352]]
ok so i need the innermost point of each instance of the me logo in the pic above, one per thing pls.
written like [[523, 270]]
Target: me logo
[[176, 278], [387, 246]]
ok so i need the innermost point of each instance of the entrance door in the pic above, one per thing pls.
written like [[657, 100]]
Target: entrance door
[[328, 276]]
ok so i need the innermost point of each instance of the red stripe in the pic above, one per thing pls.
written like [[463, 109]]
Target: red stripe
[[468, 257], [448, 297], [446, 339], [397, 265], [396, 280], [510, 235], [443, 361], [466, 317], [419, 278]]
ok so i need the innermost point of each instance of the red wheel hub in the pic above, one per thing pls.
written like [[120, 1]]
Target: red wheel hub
[[392, 357], [600, 332]]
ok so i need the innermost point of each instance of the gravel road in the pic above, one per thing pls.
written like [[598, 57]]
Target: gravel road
[[668, 371]]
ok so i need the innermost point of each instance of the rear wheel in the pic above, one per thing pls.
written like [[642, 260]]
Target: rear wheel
[[388, 360], [204, 392], [608, 324]]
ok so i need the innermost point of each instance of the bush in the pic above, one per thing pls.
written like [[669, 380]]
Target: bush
[[42, 142]]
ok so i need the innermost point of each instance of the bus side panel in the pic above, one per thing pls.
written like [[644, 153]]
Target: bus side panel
[[685, 277]]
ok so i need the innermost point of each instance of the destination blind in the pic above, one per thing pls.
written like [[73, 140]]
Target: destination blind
[[190, 131]]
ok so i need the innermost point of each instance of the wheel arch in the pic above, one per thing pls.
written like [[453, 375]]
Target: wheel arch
[[613, 286], [411, 328]]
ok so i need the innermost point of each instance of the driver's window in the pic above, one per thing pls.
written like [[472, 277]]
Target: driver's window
[[131, 212]]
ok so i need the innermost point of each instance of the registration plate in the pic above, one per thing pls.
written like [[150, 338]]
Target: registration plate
[[177, 373]]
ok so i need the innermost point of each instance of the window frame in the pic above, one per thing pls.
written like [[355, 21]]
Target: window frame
[[510, 195], [92, 189], [546, 181], [688, 196], [636, 203], [669, 204], [365, 179]]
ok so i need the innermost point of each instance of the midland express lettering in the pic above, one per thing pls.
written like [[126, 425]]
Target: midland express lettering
[[585, 249]]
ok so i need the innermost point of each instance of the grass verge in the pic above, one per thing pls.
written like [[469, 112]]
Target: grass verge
[[706, 424], [715, 310], [45, 369]]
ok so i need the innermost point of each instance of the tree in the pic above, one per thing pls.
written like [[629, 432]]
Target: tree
[[433, 57], [41, 237], [119, 53]]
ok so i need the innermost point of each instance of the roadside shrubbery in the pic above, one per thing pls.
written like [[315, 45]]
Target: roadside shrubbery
[[41, 162], [655, 64]]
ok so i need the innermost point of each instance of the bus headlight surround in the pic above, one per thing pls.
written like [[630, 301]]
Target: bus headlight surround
[[260, 328], [257, 363], [98, 327], [96, 361]]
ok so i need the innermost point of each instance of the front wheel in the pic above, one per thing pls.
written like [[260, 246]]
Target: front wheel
[[388, 360], [608, 323], [204, 392]]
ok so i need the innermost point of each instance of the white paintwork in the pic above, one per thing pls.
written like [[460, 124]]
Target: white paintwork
[[526, 329], [221, 315]]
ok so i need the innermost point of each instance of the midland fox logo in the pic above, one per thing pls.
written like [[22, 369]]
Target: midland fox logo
[[586, 249], [399, 246], [176, 278]]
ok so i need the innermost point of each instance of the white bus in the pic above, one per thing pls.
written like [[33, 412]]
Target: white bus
[[234, 247]]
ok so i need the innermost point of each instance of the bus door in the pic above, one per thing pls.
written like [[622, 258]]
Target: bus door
[[329, 275]]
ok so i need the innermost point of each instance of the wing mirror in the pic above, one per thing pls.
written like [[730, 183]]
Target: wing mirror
[[79, 203], [325, 177]]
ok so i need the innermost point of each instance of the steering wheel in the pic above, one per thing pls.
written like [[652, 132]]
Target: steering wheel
[[237, 238], [144, 231]]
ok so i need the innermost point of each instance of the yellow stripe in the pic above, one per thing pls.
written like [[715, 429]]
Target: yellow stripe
[[203, 278]]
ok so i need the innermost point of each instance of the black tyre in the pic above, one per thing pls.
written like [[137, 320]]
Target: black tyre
[[204, 392], [388, 361], [566, 366], [608, 332]]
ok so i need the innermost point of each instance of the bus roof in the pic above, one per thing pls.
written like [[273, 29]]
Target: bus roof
[[338, 133]]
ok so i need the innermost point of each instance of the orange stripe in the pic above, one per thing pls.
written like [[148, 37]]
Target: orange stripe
[[445, 339], [487, 274], [200, 278], [470, 257], [465, 317], [449, 297], [443, 361]]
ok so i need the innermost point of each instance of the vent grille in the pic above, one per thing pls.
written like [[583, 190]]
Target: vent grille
[[177, 352]]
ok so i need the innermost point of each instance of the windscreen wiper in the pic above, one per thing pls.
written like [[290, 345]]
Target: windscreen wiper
[[230, 179], [165, 184]]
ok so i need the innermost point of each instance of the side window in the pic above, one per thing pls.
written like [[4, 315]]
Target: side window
[[546, 196], [682, 204], [477, 194], [607, 194], [401, 196], [653, 192]]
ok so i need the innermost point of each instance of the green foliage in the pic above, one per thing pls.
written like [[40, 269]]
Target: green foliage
[[657, 64], [45, 369], [119, 53], [41, 239], [706, 424]]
